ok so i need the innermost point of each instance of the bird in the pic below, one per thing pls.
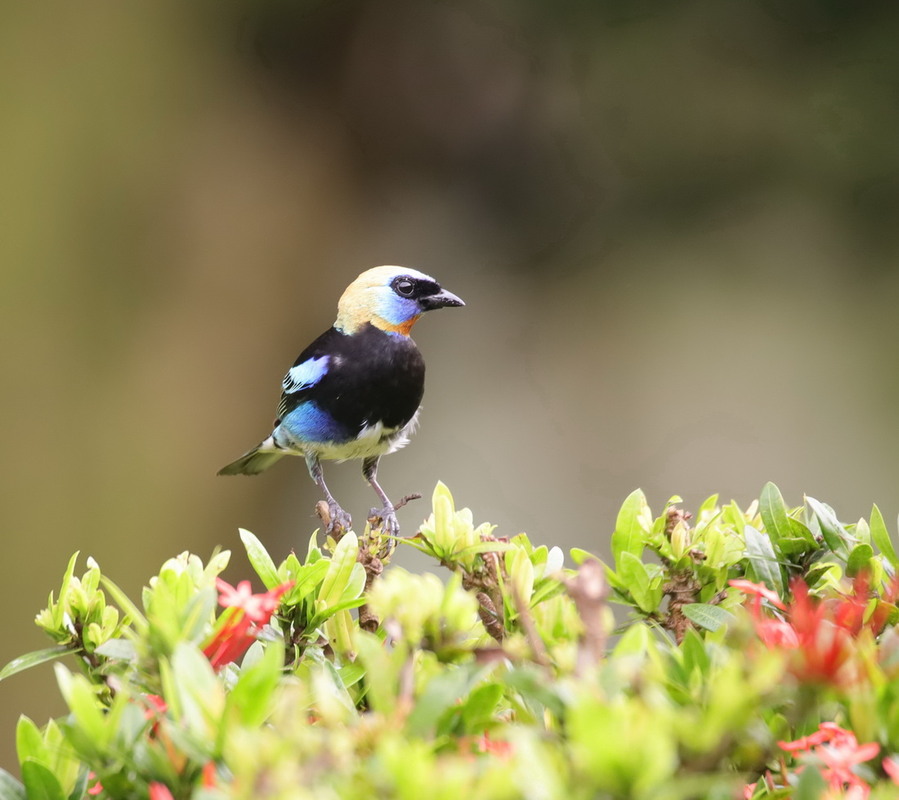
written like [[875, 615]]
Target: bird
[[355, 392]]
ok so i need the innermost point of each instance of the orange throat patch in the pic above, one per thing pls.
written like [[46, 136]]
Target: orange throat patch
[[404, 327]]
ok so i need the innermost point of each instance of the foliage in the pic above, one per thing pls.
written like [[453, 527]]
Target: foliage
[[757, 657]]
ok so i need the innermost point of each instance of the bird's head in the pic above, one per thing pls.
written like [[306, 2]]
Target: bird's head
[[390, 298]]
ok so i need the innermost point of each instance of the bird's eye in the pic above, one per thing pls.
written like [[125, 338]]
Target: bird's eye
[[404, 287]]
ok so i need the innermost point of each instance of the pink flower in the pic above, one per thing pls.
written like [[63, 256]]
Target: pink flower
[[155, 705], [97, 787], [159, 791], [891, 768], [485, 744], [827, 731], [839, 752], [258, 607], [759, 591], [238, 626]]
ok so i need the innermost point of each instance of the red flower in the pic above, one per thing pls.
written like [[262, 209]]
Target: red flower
[[827, 731], [819, 635], [156, 708], [159, 791], [839, 752], [209, 775], [485, 744], [891, 768], [238, 626], [759, 591], [97, 787], [155, 705]]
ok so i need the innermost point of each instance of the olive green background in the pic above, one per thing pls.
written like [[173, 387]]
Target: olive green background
[[674, 225]]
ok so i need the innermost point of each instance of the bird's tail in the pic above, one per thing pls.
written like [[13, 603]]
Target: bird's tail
[[258, 460]]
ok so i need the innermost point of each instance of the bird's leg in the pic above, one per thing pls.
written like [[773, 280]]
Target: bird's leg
[[339, 517], [387, 513]]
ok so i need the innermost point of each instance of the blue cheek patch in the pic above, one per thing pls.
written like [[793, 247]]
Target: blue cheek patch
[[308, 423], [396, 310]]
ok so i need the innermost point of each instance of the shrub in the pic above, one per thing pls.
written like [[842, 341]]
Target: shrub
[[755, 656]]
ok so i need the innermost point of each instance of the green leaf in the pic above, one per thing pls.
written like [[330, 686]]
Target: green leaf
[[40, 782], [859, 559], [382, 668], [862, 531], [118, 650], [546, 589], [881, 537], [197, 613], [443, 691], [252, 694], [327, 612], [708, 505], [707, 616], [32, 659], [799, 530], [128, 607], [636, 577], [10, 788], [62, 601], [630, 526], [83, 703], [478, 710], [340, 631], [817, 571], [694, 653], [483, 547], [200, 695], [534, 687], [355, 585], [811, 784], [774, 512], [835, 535], [29, 742], [636, 640], [579, 555], [306, 578], [259, 559], [339, 570], [762, 558]]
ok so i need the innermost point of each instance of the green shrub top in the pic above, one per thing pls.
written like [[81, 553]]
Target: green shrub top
[[755, 655]]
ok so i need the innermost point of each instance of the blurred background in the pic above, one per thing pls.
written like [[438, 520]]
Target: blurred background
[[675, 227]]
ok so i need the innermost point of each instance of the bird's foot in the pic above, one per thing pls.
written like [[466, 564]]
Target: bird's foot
[[385, 520], [334, 518]]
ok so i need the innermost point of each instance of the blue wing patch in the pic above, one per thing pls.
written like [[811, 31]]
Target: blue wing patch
[[306, 374], [309, 424]]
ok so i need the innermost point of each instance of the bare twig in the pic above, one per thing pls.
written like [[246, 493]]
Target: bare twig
[[407, 499], [373, 566], [588, 589], [682, 590], [526, 620]]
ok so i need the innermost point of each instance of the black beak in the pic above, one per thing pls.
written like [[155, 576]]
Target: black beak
[[442, 299]]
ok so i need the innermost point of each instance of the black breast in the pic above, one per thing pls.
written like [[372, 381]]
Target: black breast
[[372, 376]]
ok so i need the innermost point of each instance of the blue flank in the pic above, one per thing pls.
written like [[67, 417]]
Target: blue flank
[[307, 374], [308, 423]]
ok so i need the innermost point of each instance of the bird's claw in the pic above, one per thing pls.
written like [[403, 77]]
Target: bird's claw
[[340, 518], [387, 518], [335, 519]]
